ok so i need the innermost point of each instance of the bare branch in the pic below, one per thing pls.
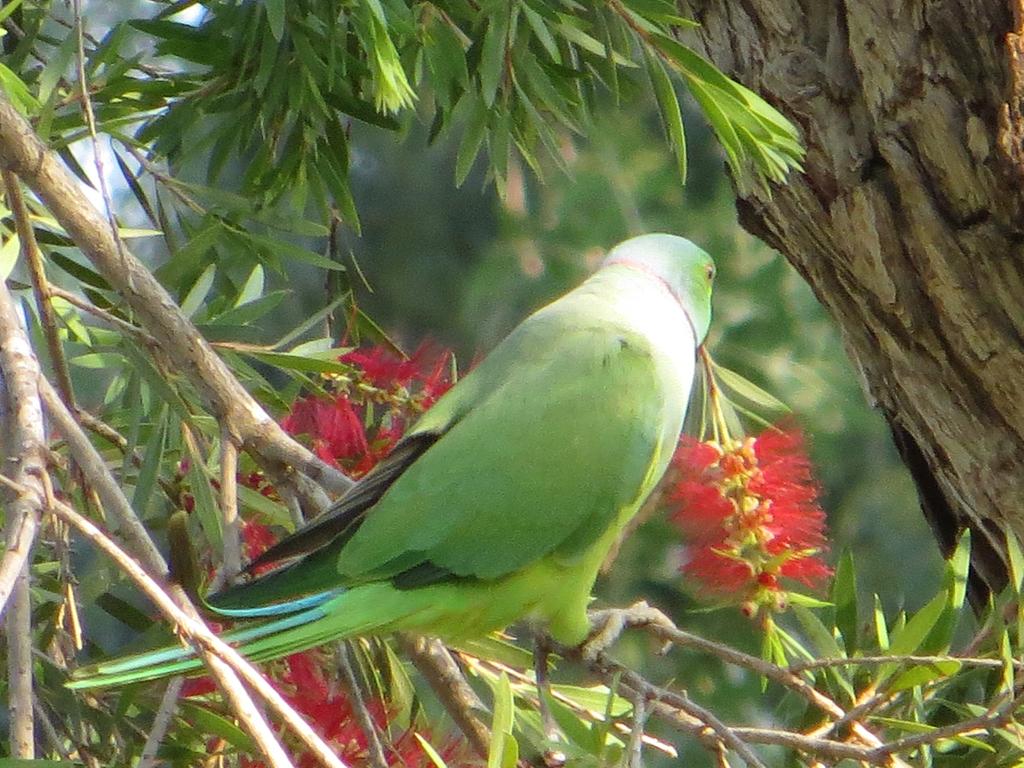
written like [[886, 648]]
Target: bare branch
[[42, 171], [708, 728], [355, 694], [443, 675], [21, 419], [223, 660], [161, 723], [125, 521], [232, 533], [116, 504], [655, 623], [40, 285]]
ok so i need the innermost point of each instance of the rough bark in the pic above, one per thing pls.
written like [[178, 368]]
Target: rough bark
[[907, 222]]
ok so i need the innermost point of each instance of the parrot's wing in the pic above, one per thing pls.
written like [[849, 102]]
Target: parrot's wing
[[345, 515], [542, 464], [534, 451]]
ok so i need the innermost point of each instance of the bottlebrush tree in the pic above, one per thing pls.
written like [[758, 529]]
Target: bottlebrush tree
[[142, 395]]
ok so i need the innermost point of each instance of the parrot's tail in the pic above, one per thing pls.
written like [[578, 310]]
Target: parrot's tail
[[368, 609], [182, 660]]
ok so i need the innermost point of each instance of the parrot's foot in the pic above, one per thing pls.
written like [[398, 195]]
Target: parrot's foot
[[608, 624]]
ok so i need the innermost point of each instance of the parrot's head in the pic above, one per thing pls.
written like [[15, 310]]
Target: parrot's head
[[685, 269]]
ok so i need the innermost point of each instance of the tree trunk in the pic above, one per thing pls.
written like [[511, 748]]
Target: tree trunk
[[907, 223]]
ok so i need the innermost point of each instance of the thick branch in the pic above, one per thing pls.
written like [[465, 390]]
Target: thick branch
[[21, 420], [23, 153]]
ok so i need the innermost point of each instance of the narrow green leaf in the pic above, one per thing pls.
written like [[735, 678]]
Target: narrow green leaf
[[503, 744], [1016, 556], [495, 649], [492, 58], [56, 66], [18, 92], [598, 700], [250, 311], [1007, 655], [275, 17], [919, 674], [297, 252], [303, 363], [822, 639], [269, 511], [9, 253], [542, 32], [955, 583], [99, 360], [914, 727], [432, 754], [472, 139], [151, 462], [194, 299], [738, 385], [206, 508], [253, 287], [881, 630], [671, 116], [591, 44], [8, 9], [211, 723], [910, 638], [844, 597]]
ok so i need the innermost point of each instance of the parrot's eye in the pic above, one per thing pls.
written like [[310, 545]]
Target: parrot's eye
[[709, 270]]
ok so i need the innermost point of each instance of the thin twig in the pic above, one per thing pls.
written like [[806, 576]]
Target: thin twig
[[445, 678], [139, 334], [232, 528], [833, 750], [112, 498], [22, 420], [995, 718], [658, 626], [161, 723], [47, 727], [355, 695], [711, 727], [223, 660], [41, 287], [634, 749]]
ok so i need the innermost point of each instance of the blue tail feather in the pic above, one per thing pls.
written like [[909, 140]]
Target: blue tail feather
[[277, 609]]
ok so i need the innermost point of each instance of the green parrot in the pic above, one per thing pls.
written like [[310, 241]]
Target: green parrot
[[503, 500]]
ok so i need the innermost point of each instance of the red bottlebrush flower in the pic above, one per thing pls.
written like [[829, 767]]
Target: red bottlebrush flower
[[303, 684], [198, 686], [257, 538], [360, 424], [750, 509], [383, 368]]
